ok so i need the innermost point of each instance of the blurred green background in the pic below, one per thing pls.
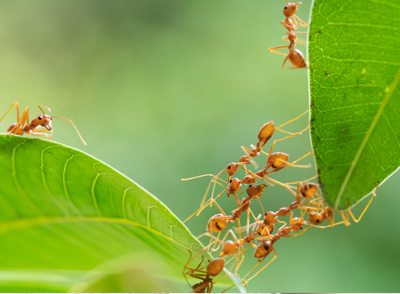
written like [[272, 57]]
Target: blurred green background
[[163, 90]]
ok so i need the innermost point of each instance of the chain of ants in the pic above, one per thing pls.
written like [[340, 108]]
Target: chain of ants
[[260, 234]]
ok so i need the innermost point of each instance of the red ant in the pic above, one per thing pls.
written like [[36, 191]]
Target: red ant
[[23, 126], [203, 273]]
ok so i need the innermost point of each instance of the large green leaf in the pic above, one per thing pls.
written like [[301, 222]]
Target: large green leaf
[[71, 222], [354, 55]]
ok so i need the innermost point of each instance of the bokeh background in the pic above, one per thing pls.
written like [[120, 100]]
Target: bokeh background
[[163, 90]]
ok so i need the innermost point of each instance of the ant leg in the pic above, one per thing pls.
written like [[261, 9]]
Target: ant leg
[[192, 270], [365, 209], [258, 177], [209, 201], [39, 134], [19, 126], [345, 219], [40, 107], [70, 121], [262, 207], [272, 50], [292, 164], [24, 119], [209, 235], [284, 138], [240, 251], [304, 181], [286, 59], [205, 175], [282, 184], [16, 106], [215, 178], [244, 279], [294, 119], [301, 23], [299, 234], [329, 226]]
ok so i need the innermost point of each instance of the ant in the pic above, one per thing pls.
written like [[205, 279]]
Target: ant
[[23, 126], [203, 273]]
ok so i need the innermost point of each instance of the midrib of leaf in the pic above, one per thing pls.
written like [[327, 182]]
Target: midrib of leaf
[[31, 222], [367, 135]]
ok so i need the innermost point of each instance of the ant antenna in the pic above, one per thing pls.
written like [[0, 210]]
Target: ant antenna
[[68, 120], [40, 107]]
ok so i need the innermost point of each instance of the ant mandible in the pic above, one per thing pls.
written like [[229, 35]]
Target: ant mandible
[[23, 126]]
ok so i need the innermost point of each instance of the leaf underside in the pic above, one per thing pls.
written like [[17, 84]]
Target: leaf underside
[[65, 214], [354, 57]]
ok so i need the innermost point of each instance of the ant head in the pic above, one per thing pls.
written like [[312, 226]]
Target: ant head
[[297, 224], [315, 218], [43, 120], [232, 168], [290, 9]]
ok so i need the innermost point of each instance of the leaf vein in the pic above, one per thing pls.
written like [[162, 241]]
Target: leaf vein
[[367, 136]]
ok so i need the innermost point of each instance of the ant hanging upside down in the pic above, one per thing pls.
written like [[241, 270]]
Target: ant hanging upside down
[[33, 128]]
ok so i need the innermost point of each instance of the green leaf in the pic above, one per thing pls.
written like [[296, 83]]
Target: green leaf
[[354, 56], [70, 222]]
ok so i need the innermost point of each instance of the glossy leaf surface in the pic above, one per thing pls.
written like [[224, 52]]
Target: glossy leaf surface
[[354, 56], [65, 217]]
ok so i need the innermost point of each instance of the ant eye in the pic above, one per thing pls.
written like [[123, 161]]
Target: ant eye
[[51, 118], [285, 7], [40, 117], [230, 181]]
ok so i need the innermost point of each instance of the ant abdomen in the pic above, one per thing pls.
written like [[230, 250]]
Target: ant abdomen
[[263, 249], [265, 133], [308, 190], [217, 223], [216, 266], [277, 159], [229, 248]]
